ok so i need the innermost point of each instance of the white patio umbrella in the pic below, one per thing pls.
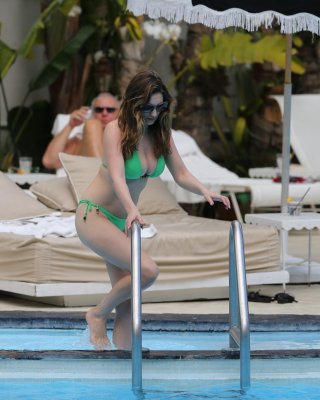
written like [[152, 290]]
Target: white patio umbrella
[[291, 15]]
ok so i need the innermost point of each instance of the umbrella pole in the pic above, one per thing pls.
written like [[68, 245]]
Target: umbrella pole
[[285, 173]]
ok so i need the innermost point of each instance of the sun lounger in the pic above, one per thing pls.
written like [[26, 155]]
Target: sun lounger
[[192, 252], [264, 193], [305, 131]]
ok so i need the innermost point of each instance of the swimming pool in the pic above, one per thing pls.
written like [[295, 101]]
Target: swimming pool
[[163, 379], [177, 367]]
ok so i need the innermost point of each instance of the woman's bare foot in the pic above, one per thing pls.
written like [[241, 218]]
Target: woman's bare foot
[[97, 327]]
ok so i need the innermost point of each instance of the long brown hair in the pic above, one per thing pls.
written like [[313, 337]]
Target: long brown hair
[[142, 86]]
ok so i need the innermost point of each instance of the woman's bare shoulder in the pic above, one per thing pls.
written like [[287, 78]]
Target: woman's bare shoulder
[[112, 132], [113, 124]]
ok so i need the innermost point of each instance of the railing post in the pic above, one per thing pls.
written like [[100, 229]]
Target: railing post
[[136, 346], [239, 333]]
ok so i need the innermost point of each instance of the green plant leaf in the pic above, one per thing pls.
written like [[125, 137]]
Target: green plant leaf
[[239, 131], [62, 60], [222, 136], [227, 49], [227, 106], [35, 34], [66, 6], [27, 45], [8, 57], [206, 43], [134, 28], [297, 66], [242, 47], [223, 48], [297, 41]]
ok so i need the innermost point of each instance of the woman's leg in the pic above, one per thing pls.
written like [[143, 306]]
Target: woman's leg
[[101, 236], [122, 324]]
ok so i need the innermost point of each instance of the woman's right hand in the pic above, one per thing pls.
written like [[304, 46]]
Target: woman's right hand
[[133, 215]]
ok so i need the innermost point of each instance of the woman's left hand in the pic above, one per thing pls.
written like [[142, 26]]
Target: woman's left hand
[[213, 198]]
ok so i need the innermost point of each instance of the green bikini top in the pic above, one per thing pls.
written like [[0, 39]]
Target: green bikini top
[[133, 168]]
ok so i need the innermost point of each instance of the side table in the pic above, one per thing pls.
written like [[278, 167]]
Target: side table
[[285, 223]]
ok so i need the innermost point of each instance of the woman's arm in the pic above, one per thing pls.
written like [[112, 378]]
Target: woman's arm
[[115, 162], [187, 181]]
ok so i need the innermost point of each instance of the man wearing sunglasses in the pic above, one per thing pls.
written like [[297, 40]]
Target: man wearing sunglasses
[[83, 133]]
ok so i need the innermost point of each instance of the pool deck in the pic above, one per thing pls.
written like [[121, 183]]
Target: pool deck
[[308, 297]]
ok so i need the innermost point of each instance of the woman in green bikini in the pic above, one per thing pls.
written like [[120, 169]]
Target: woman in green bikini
[[137, 146]]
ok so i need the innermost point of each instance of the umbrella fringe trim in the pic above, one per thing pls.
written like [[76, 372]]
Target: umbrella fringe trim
[[233, 17]]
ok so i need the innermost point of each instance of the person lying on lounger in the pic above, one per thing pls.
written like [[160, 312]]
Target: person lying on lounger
[[136, 147], [104, 109]]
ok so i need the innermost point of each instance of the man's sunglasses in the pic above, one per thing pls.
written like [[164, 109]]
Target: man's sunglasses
[[148, 108], [99, 110]]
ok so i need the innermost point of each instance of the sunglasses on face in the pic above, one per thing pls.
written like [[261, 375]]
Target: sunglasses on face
[[149, 108], [99, 110]]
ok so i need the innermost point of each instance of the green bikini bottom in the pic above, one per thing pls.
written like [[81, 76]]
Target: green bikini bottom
[[118, 222]]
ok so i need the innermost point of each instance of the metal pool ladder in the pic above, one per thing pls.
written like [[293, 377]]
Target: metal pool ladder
[[239, 334], [239, 330], [136, 344]]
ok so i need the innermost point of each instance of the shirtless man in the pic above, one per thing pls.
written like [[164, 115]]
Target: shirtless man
[[104, 109]]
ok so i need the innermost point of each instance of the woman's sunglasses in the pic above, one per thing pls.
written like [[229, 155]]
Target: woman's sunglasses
[[99, 110], [149, 108]]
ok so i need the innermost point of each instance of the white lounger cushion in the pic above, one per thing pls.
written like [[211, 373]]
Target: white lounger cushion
[[305, 130]]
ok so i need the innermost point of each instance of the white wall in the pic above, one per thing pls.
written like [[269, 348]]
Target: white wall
[[17, 17]]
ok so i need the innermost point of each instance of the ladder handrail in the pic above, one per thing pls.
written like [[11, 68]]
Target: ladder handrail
[[136, 345], [239, 330]]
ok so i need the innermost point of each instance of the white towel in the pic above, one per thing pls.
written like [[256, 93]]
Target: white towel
[[53, 225], [40, 227], [61, 121]]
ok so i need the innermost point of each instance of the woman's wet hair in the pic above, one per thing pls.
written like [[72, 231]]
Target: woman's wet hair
[[139, 91]]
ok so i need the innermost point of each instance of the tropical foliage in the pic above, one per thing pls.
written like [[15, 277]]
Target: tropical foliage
[[81, 38], [229, 48], [9, 55], [19, 118], [224, 62], [87, 43], [236, 51]]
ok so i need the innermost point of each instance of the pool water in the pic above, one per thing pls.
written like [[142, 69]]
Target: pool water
[[163, 379], [67, 390], [78, 339], [58, 378]]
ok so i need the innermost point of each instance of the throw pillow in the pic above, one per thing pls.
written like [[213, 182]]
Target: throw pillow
[[157, 199], [55, 193], [16, 204], [80, 171]]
